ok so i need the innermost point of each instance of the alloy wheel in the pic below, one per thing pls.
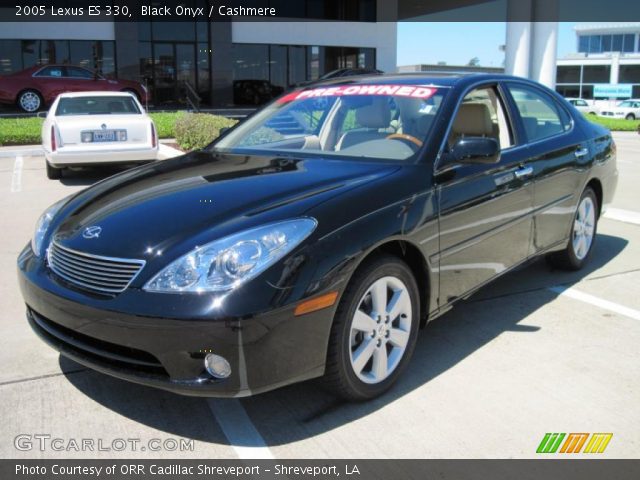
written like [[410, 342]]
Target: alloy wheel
[[584, 228], [380, 330], [30, 101]]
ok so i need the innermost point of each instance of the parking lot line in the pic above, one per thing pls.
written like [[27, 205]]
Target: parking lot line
[[239, 430], [597, 301], [16, 177], [628, 216]]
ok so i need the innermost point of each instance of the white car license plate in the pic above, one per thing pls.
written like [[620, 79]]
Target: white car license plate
[[104, 136]]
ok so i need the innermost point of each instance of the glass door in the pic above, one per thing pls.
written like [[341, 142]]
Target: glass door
[[164, 82]]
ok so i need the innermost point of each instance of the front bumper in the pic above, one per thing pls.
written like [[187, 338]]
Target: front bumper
[[124, 336]]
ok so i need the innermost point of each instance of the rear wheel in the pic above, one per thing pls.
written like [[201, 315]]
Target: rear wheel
[[30, 101], [374, 331], [53, 173], [583, 234]]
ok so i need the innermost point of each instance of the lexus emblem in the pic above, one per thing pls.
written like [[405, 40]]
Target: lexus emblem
[[92, 232], [104, 126]]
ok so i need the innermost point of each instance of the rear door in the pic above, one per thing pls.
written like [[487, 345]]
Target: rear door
[[485, 210], [558, 154]]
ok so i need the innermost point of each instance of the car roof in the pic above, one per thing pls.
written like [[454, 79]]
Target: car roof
[[445, 80], [95, 94]]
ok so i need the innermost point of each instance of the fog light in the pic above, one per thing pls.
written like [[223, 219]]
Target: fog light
[[217, 366]]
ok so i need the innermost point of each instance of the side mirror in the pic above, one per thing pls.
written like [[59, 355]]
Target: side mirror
[[476, 150]]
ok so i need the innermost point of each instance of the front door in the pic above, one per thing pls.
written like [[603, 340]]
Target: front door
[[485, 209], [174, 65]]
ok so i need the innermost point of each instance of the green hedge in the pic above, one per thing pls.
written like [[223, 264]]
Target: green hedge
[[20, 131], [615, 124], [196, 130], [26, 131]]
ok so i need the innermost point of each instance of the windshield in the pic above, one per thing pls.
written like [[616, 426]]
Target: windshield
[[372, 121], [102, 105]]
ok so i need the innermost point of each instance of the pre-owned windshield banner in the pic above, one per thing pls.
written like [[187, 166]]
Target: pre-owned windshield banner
[[414, 91]]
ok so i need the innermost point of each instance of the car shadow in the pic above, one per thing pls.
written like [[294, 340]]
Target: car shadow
[[305, 410], [88, 176]]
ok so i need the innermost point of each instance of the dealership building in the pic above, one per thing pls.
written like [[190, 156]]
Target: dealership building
[[175, 59], [606, 63]]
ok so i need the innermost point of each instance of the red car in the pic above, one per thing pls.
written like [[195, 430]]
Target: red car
[[38, 86]]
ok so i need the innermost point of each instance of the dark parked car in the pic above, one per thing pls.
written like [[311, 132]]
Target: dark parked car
[[350, 72], [36, 87], [254, 92], [275, 256]]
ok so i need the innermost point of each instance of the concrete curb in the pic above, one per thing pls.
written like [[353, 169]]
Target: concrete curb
[[28, 151]]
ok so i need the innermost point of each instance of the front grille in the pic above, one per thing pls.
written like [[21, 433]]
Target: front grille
[[92, 272]]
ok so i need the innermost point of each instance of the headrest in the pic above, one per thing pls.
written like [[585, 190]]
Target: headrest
[[473, 119], [376, 115]]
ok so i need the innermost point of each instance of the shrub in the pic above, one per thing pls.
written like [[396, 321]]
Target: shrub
[[20, 131], [196, 130], [165, 123], [615, 124]]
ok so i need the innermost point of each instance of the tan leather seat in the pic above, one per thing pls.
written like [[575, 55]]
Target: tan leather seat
[[371, 119], [472, 120]]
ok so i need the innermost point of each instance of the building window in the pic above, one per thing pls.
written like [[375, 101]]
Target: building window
[[629, 74], [297, 64], [568, 74], [628, 44], [10, 57], [596, 74]]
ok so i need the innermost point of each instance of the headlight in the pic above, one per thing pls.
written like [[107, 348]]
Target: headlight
[[42, 225], [225, 264]]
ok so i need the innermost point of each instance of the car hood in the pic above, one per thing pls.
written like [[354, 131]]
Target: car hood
[[180, 203]]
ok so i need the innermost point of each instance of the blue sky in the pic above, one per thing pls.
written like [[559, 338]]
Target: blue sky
[[458, 42]]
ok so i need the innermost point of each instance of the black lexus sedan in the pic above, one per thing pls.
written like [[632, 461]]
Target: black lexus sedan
[[316, 237]]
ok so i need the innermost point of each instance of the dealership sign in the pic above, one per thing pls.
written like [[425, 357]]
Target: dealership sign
[[612, 90]]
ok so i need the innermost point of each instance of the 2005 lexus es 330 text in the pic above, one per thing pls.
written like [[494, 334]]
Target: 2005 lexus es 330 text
[[317, 236]]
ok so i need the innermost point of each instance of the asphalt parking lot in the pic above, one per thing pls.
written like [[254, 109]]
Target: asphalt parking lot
[[538, 351]]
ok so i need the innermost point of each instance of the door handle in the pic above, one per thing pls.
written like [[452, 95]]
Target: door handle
[[523, 172], [581, 152]]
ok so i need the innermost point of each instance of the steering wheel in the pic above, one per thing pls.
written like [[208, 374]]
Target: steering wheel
[[404, 136]]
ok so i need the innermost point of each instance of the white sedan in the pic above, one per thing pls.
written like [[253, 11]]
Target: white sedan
[[627, 109], [88, 128], [583, 107]]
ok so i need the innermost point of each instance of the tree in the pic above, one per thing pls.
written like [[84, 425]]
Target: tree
[[474, 62]]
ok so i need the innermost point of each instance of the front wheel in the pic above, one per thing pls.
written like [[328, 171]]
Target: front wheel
[[583, 233], [30, 101], [374, 331], [630, 116]]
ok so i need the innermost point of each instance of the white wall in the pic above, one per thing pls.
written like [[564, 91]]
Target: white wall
[[380, 35], [57, 31]]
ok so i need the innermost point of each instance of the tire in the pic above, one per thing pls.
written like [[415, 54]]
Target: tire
[[53, 173], [583, 235], [351, 375], [630, 116], [30, 101]]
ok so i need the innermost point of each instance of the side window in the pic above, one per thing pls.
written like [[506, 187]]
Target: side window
[[481, 114], [541, 116], [75, 72], [55, 72], [581, 103]]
